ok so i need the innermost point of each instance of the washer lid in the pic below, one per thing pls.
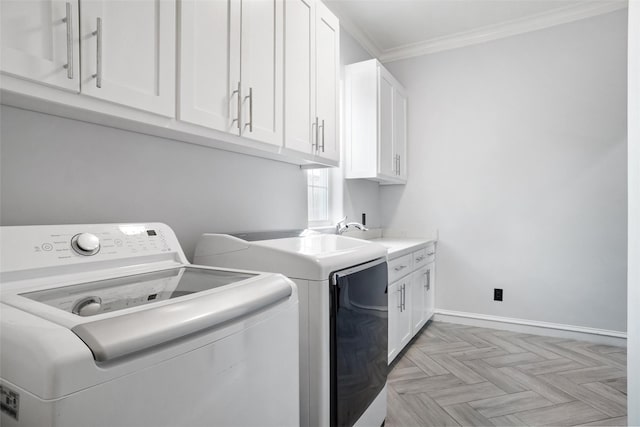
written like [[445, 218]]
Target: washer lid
[[105, 296], [124, 315]]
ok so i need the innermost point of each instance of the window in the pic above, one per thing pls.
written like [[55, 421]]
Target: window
[[318, 196]]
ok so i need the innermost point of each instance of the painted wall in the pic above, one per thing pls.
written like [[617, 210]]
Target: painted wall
[[359, 195], [633, 344], [517, 157], [61, 171]]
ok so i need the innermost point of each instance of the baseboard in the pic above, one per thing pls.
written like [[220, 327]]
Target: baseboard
[[599, 336]]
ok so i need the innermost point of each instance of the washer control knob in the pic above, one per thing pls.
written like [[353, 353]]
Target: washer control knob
[[85, 244], [87, 306]]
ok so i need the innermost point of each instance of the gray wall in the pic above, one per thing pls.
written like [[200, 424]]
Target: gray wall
[[517, 156], [60, 171]]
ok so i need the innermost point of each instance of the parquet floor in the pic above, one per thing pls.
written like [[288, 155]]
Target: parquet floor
[[461, 375]]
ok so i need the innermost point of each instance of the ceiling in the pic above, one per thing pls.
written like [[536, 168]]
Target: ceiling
[[395, 29]]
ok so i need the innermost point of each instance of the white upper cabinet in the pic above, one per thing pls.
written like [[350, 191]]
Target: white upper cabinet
[[312, 49], [376, 123], [128, 53], [262, 70], [231, 67], [125, 63], [299, 102], [210, 64], [40, 41], [327, 81]]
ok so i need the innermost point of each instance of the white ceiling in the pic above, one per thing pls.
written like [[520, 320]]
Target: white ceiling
[[394, 29]]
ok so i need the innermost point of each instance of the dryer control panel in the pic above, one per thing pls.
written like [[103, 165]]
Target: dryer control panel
[[32, 247]]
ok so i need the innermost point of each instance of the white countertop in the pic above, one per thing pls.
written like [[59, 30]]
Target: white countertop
[[398, 246]]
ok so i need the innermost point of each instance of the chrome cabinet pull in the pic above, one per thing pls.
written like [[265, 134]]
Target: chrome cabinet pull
[[400, 299], [404, 296], [238, 107], [98, 34], [400, 267], [431, 253], [322, 126], [399, 165], [420, 258], [428, 273], [250, 96], [68, 20]]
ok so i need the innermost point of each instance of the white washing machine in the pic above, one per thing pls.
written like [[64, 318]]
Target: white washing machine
[[109, 325], [342, 284]]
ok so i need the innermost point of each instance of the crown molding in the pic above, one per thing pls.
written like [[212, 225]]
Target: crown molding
[[502, 30], [360, 36], [491, 32]]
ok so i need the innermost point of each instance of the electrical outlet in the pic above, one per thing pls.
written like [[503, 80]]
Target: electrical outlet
[[497, 294]]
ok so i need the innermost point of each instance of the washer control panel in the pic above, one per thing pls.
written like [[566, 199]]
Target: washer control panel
[[31, 247]]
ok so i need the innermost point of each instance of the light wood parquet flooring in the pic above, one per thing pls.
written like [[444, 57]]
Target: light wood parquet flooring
[[457, 375]]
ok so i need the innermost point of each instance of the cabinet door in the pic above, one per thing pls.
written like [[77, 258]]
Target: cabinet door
[[394, 294], [299, 88], [39, 41], [400, 132], [327, 81], [210, 63], [387, 163], [261, 69], [419, 293], [128, 53], [404, 324], [430, 301]]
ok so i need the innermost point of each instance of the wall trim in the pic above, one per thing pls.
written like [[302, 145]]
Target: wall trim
[[487, 33], [601, 336]]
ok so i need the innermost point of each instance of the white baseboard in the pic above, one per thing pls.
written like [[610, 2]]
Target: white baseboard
[[599, 336]]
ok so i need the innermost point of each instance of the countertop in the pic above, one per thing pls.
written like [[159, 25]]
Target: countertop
[[398, 246]]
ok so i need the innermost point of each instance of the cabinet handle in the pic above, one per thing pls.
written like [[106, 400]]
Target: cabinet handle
[[250, 96], [238, 108], [399, 165], [431, 253], [400, 299], [420, 258], [404, 296], [68, 20], [428, 279], [98, 34], [400, 267], [322, 126]]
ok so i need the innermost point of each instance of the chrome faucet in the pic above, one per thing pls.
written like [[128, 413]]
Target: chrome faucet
[[343, 226]]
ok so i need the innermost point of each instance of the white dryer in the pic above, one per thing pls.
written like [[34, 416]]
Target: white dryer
[[109, 325], [342, 283]]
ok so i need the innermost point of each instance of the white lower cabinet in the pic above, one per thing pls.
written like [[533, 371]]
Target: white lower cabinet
[[400, 331], [411, 295], [422, 297]]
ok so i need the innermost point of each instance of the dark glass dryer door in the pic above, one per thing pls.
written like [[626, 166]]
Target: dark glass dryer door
[[359, 316]]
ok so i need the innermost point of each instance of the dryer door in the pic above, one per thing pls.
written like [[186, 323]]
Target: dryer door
[[359, 316]]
